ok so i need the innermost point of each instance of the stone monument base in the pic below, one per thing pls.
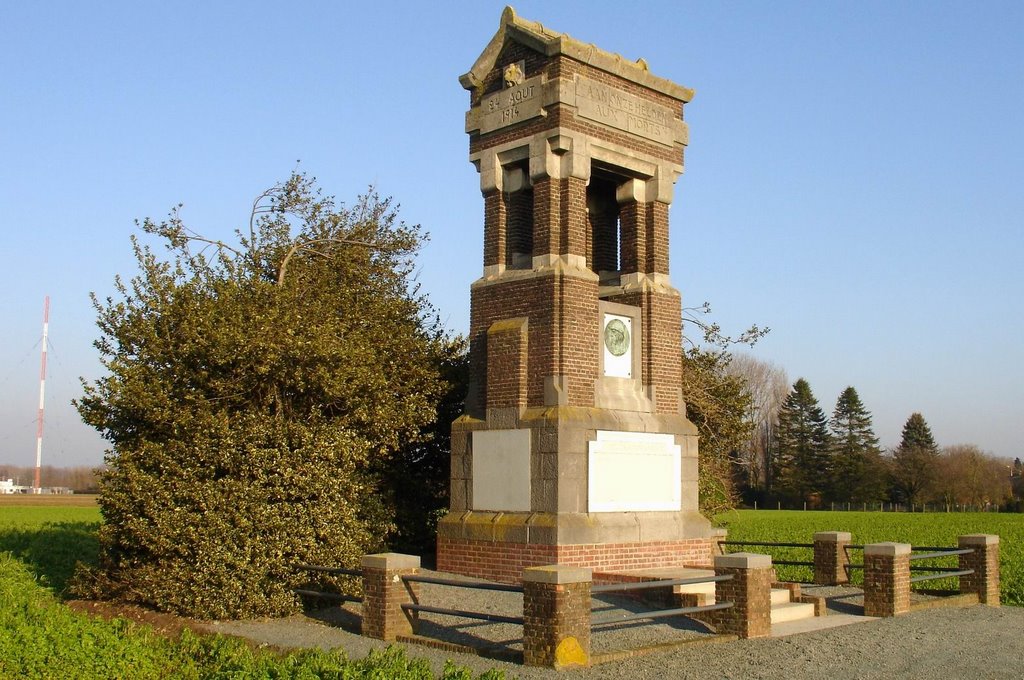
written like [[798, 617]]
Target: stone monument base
[[498, 546]]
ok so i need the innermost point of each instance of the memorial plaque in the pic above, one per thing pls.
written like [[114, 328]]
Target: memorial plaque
[[511, 105], [633, 471], [624, 111]]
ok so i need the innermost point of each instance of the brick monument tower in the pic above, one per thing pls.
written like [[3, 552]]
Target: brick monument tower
[[575, 447]]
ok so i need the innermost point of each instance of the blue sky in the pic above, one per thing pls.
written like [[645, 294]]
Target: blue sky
[[854, 176]]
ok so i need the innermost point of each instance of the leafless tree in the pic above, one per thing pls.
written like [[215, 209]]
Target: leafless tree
[[768, 385], [969, 476]]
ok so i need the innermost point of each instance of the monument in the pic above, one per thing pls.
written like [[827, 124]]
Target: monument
[[574, 447]]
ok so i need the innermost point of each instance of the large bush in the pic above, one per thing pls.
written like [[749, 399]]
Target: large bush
[[254, 395]]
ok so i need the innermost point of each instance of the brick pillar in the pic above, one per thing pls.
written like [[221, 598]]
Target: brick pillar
[[985, 563], [750, 592], [886, 579], [495, 218], [556, 613], [830, 558], [384, 593]]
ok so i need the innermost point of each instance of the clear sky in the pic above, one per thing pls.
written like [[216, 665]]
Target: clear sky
[[854, 180]]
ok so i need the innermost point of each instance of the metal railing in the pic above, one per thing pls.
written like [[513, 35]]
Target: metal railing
[[787, 563], [324, 595], [462, 613], [656, 613], [938, 572]]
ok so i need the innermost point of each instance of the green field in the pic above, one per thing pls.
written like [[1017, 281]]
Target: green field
[[918, 529], [42, 638]]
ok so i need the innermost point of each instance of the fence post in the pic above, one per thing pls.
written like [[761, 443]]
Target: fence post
[[384, 593], [750, 592], [886, 579], [556, 616], [830, 557], [985, 563]]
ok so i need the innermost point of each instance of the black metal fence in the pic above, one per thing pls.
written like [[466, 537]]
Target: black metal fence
[[655, 613]]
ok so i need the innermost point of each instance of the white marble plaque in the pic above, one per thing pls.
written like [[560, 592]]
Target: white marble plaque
[[501, 470], [624, 111], [634, 472], [511, 105]]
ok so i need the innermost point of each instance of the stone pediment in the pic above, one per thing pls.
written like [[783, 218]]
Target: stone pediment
[[551, 43]]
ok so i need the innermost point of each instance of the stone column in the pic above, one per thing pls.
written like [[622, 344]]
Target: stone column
[[985, 563], [830, 558], [750, 592], [556, 614], [886, 579], [384, 593]]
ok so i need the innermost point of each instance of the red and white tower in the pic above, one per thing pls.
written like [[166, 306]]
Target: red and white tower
[[36, 488]]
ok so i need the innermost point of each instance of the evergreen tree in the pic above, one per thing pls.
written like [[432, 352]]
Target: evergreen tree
[[802, 446], [915, 462], [255, 395], [857, 466]]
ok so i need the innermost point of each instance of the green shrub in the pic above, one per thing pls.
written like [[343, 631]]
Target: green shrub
[[254, 398]]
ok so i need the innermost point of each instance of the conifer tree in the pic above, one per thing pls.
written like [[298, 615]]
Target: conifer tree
[[857, 466], [915, 462], [802, 446]]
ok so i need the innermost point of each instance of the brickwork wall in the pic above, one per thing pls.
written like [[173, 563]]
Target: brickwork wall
[[830, 561], [558, 307], [663, 340], [506, 364], [886, 585], [547, 209], [495, 216], [657, 238], [985, 563], [750, 592], [505, 561], [556, 624], [633, 249], [383, 595], [533, 298]]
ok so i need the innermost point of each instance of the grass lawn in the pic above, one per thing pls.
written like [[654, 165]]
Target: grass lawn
[[40, 637], [918, 529]]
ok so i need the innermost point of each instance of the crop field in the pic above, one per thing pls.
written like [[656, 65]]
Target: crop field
[[918, 529]]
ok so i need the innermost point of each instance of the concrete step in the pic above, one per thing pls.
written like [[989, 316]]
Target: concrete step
[[779, 596], [792, 611]]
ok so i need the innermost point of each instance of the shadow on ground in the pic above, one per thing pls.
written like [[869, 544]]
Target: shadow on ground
[[52, 550]]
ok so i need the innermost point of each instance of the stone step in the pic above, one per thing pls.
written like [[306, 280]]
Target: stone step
[[792, 611], [779, 596]]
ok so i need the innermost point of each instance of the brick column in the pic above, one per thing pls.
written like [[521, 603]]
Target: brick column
[[556, 613], [985, 563], [886, 579], [750, 592], [384, 593], [830, 558]]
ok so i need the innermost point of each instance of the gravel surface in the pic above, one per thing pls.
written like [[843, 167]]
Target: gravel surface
[[975, 642]]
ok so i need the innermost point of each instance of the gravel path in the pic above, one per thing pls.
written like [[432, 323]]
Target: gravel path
[[973, 642]]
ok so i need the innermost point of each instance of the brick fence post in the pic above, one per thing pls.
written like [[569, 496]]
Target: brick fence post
[[985, 563], [886, 579], [830, 558], [750, 592], [556, 616], [384, 593]]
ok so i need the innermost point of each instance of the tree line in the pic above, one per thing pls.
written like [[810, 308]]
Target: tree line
[[794, 454], [80, 479]]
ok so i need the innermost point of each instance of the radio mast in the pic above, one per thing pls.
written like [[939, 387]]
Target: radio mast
[[42, 391]]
